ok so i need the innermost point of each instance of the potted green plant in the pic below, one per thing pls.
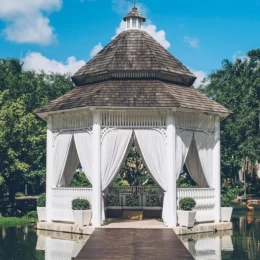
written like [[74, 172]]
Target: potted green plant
[[228, 193], [81, 211], [152, 202], [226, 209], [41, 207], [186, 214], [113, 201]]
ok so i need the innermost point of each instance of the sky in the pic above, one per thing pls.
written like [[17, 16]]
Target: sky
[[61, 35]]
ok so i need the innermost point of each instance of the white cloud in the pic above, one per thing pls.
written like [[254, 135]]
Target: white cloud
[[27, 20], [193, 42], [123, 7], [96, 49], [37, 62], [239, 55], [201, 75], [159, 36]]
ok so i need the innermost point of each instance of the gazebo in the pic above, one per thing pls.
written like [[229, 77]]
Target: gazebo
[[133, 86]]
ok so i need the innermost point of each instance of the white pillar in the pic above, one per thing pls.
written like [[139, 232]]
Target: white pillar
[[171, 173], [49, 169], [216, 168], [96, 185]]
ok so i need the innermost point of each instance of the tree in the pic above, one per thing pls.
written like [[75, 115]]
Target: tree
[[237, 87], [23, 136], [133, 171]]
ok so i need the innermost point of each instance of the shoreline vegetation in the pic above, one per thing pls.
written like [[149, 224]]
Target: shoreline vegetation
[[16, 221]]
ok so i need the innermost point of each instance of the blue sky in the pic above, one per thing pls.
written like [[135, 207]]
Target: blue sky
[[60, 35]]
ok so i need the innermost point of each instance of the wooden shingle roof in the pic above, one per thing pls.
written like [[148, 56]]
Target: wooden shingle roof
[[134, 93], [134, 54]]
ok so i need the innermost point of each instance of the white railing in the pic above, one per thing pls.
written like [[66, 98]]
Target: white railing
[[205, 201], [61, 201], [135, 190]]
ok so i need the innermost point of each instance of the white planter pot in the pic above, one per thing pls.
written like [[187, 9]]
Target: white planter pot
[[41, 211], [186, 218], [226, 213], [82, 217]]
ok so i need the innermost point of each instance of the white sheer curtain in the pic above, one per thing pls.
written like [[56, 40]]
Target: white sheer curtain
[[71, 165], [205, 150], [114, 147], [153, 149], [61, 150], [84, 148], [194, 166], [183, 141]]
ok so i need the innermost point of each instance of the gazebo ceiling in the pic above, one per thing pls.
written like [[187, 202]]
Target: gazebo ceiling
[[134, 54], [134, 93]]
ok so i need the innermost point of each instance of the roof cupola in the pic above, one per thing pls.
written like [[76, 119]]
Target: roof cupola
[[134, 19]]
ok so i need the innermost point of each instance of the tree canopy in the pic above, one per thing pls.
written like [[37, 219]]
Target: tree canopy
[[237, 86], [23, 136]]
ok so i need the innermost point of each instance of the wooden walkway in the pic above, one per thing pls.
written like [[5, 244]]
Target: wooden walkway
[[134, 244]]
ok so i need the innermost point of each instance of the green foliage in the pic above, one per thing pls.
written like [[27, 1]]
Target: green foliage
[[228, 193], [80, 204], [23, 136], [80, 180], [185, 180], [32, 215], [41, 201], [132, 200], [187, 203], [2, 188], [113, 200], [14, 221], [152, 201], [237, 87], [133, 172]]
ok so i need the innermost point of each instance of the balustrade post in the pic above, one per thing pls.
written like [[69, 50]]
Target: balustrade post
[[171, 217], [216, 168], [96, 157], [49, 168]]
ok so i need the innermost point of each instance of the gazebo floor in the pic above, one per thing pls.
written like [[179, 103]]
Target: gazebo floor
[[134, 244], [126, 223]]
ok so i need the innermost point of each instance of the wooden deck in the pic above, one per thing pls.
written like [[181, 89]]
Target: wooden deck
[[134, 244]]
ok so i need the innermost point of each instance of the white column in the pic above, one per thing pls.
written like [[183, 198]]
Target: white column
[[172, 192], [216, 168], [96, 191], [49, 169]]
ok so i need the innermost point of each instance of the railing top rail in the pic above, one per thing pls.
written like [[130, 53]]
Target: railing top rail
[[182, 188], [71, 188]]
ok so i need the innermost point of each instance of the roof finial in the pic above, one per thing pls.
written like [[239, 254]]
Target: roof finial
[[134, 2]]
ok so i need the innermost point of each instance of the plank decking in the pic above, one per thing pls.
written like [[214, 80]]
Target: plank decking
[[134, 244]]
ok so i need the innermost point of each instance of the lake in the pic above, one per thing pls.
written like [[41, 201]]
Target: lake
[[243, 242]]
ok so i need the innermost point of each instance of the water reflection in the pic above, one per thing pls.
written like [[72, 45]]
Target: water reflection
[[243, 243], [60, 246], [208, 246]]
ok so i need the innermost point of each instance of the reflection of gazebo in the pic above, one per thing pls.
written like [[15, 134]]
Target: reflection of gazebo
[[134, 86]]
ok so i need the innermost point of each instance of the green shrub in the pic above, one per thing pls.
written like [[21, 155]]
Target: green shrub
[[113, 200], [152, 201], [80, 204], [228, 193], [32, 215], [41, 201], [187, 203], [132, 201]]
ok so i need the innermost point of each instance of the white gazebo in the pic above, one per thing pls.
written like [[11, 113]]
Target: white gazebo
[[133, 86]]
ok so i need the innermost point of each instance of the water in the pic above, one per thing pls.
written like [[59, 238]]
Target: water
[[241, 243]]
